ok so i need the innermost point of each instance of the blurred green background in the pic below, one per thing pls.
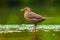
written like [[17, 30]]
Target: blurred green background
[[10, 14], [10, 11]]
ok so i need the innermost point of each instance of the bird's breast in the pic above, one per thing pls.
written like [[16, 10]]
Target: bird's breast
[[25, 15]]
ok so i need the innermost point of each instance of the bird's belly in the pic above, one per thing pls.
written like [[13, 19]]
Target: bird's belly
[[35, 20]]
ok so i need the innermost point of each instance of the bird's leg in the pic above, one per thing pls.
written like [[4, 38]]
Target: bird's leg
[[34, 32], [34, 28]]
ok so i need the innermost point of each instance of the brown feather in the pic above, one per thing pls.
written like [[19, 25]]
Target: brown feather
[[31, 16]]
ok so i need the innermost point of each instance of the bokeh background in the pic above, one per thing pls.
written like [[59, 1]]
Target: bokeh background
[[20, 29], [10, 10]]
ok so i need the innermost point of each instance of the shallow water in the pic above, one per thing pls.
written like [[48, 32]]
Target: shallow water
[[17, 28]]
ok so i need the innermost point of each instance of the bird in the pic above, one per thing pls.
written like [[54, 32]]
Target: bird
[[32, 17]]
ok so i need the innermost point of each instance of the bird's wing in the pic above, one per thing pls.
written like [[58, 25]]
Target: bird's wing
[[33, 15]]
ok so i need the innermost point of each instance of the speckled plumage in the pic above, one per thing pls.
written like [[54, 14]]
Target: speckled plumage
[[31, 16]]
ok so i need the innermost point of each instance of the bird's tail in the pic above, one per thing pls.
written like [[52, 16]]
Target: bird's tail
[[40, 20]]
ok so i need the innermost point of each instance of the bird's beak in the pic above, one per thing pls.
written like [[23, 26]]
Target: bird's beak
[[22, 10]]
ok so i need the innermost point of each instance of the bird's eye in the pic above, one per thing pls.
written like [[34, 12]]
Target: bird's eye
[[25, 9]]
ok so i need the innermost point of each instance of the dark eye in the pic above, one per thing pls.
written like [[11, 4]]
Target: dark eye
[[25, 9]]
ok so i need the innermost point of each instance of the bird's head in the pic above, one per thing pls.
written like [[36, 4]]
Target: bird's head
[[26, 9]]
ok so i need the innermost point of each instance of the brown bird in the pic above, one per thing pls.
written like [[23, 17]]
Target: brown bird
[[32, 17]]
